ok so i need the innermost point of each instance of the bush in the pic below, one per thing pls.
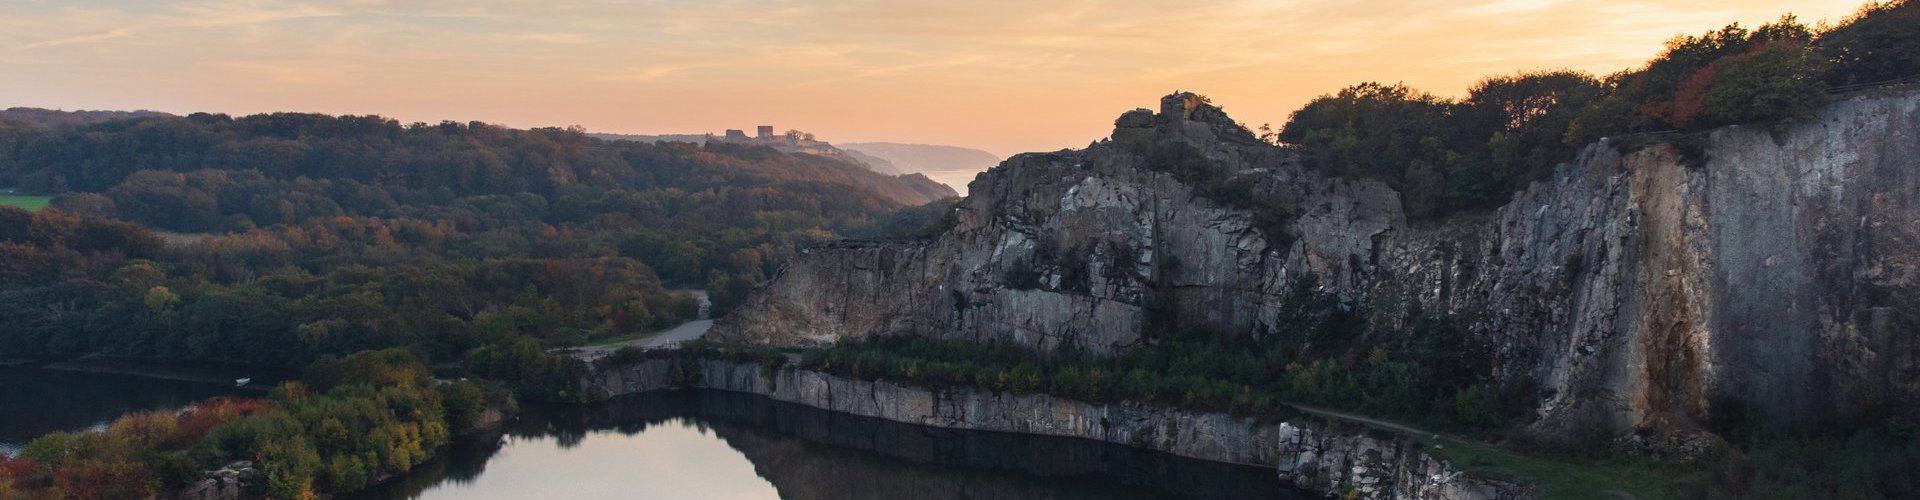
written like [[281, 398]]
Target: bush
[[384, 418], [1447, 156], [626, 355], [1367, 130], [1867, 458], [1880, 43], [1724, 77], [139, 455], [1478, 406], [1444, 156], [530, 369]]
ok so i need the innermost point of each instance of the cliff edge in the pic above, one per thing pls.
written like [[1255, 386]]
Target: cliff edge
[[1640, 286]]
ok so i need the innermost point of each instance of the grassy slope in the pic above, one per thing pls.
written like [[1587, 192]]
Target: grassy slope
[[1556, 477], [30, 203]]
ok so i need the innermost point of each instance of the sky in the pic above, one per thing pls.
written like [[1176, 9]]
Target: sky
[[1006, 76]]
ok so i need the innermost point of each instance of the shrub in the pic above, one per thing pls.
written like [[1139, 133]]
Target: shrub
[[1880, 43], [1447, 156], [626, 355], [1728, 76], [1444, 156]]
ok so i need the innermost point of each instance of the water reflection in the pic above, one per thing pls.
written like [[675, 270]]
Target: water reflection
[[675, 459], [724, 445]]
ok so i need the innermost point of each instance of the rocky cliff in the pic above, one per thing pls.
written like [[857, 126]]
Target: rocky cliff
[[1643, 283], [1305, 451]]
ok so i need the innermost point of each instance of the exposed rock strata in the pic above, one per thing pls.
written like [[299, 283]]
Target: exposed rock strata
[[1305, 451], [1639, 285], [233, 482]]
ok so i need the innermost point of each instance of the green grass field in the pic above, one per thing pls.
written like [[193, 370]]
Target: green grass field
[[1558, 478], [30, 203]]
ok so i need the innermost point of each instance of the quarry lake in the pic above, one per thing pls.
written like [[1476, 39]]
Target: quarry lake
[[711, 444], [682, 444], [36, 401]]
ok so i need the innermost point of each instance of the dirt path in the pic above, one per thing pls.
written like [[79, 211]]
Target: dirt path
[[672, 337], [667, 339], [1369, 421]]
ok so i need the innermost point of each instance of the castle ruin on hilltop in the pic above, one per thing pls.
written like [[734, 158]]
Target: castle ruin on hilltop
[[793, 141]]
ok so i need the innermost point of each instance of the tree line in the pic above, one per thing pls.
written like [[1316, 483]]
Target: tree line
[[1449, 155], [277, 239], [348, 423]]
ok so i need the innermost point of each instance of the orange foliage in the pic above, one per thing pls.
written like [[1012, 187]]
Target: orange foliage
[[1690, 97], [104, 480], [15, 467], [198, 420], [146, 429]]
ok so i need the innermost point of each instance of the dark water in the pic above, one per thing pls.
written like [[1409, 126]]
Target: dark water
[[706, 444], [36, 401]]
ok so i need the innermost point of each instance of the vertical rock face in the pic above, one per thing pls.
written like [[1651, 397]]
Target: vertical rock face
[[1639, 285], [1305, 451]]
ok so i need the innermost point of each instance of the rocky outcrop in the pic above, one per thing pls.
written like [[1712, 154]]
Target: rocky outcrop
[[1309, 453], [1641, 284], [235, 481], [1090, 228]]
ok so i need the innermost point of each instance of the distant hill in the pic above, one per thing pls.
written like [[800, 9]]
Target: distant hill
[[927, 157], [303, 235], [51, 118], [874, 163], [693, 138], [84, 151], [951, 165]]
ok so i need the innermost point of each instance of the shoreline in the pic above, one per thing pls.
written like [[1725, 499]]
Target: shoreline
[[201, 372], [748, 422], [1308, 452]]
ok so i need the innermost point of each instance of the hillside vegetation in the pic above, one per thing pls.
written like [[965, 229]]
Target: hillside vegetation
[[281, 239], [348, 424], [1444, 157], [1452, 155]]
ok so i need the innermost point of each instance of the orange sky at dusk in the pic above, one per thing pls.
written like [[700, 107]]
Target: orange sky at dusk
[[1005, 76]]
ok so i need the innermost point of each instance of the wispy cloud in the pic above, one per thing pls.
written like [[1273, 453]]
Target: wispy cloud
[[923, 70], [76, 39], [243, 12], [562, 38], [75, 26], [874, 72], [646, 73]]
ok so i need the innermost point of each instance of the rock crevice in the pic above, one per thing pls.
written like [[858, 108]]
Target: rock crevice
[[1637, 286]]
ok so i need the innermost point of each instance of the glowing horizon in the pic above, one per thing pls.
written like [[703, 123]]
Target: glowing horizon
[[997, 75]]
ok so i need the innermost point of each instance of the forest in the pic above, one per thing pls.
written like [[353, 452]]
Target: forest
[[1447, 156], [348, 423], [279, 239], [371, 255]]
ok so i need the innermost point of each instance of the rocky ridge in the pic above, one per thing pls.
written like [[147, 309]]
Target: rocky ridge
[[1644, 283]]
